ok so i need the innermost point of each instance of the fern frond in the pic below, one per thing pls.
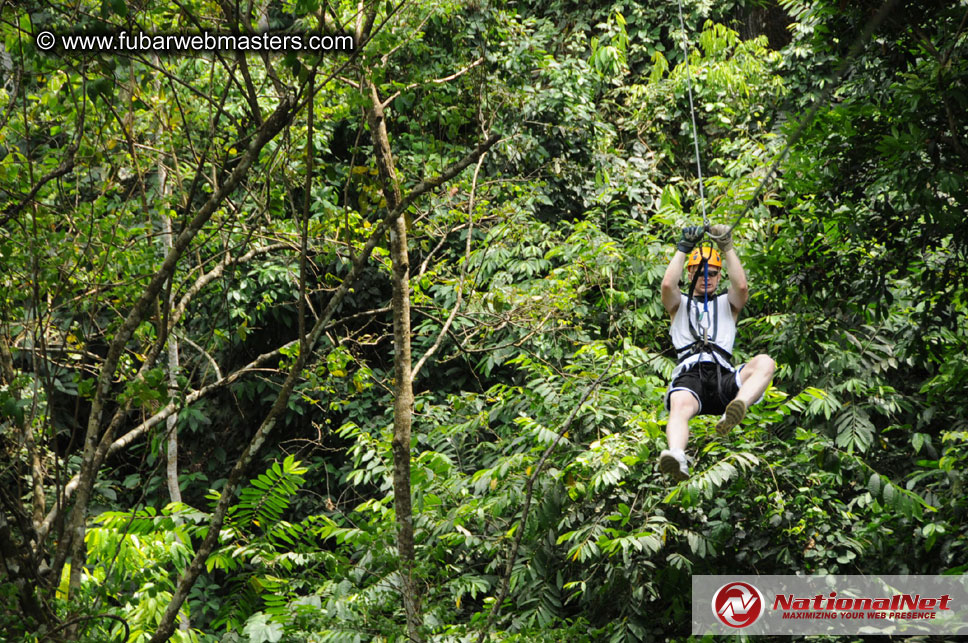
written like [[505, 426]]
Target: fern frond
[[268, 496], [854, 429]]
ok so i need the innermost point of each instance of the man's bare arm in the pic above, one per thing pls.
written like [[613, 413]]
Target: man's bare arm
[[691, 235], [670, 283], [739, 290]]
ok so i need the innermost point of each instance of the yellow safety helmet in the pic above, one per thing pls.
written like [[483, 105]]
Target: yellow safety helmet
[[706, 252]]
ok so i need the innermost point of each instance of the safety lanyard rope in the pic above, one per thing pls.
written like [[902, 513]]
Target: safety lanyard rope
[[705, 300], [692, 113], [703, 340], [695, 330]]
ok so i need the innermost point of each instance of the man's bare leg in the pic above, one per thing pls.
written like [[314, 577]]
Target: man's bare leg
[[754, 378], [672, 461]]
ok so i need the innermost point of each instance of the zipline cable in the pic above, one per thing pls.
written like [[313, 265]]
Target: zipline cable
[[692, 113], [824, 97]]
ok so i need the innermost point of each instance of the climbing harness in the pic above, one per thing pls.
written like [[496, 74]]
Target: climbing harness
[[699, 330]]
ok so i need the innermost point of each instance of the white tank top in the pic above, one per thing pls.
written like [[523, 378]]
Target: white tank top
[[718, 325]]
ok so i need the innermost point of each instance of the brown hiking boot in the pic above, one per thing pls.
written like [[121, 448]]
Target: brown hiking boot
[[735, 412]]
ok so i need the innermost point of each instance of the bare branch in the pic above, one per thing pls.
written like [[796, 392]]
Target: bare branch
[[463, 276], [436, 81], [413, 33], [66, 166], [364, 20], [205, 354], [250, 92]]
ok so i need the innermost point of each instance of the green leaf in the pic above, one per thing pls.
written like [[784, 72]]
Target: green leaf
[[259, 629], [874, 485], [890, 495], [917, 441]]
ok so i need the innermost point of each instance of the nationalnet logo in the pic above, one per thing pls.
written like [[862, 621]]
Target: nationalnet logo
[[895, 607], [755, 605], [738, 604]]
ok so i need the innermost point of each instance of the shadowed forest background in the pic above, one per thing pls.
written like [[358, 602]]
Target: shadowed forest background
[[368, 345]]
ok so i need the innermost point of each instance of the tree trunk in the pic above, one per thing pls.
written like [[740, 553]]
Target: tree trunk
[[171, 424], [403, 392], [171, 453], [16, 564]]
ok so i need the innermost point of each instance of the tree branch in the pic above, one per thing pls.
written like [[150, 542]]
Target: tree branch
[[93, 454], [463, 275], [205, 548], [66, 166], [436, 81]]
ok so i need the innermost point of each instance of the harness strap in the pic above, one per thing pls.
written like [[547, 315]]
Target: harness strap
[[701, 343], [693, 329], [697, 347], [705, 293], [689, 302]]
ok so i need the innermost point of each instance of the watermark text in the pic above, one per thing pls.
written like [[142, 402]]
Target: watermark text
[[187, 43]]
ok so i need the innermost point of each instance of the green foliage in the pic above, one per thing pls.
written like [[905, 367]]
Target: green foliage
[[259, 586], [131, 557], [268, 497], [853, 462]]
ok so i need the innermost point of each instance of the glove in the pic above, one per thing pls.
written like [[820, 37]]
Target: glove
[[723, 236], [691, 234]]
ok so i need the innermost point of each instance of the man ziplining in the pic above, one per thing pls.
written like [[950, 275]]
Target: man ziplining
[[703, 331]]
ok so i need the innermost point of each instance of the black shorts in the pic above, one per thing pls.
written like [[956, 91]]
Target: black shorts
[[712, 384]]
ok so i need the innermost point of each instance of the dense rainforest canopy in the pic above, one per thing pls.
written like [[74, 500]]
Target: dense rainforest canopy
[[367, 344]]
